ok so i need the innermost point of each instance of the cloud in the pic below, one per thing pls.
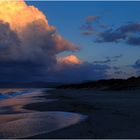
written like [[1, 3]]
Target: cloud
[[9, 42], [137, 65], [36, 46], [78, 73], [71, 59], [133, 41], [90, 19], [131, 27], [29, 47], [72, 69], [30, 38], [11, 10], [87, 33], [117, 56], [87, 28], [128, 34], [108, 60], [42, 44], [32, 28], [110, 36], [22, 71], [103, 61], [120, 72]]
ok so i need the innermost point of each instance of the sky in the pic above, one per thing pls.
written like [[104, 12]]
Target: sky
[[73, 14], [69, 41]]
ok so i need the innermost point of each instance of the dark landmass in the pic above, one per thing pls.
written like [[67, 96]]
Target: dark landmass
[[28, 84], [111, 84]]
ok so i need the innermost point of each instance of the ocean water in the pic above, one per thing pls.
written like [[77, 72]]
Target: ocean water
[[6, 93], [12, 100]]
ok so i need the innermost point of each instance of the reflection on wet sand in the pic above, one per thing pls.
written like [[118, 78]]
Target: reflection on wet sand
[[12, 91], [15, 103], [16, 122], [30, 124]]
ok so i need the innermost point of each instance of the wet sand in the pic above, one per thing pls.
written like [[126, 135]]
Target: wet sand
[[19, 122], [71, 113], [111, 114]]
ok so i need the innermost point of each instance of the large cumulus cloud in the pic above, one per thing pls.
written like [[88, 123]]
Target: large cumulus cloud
[[9, 42], [37, 38], [36, 50], [29, 47]]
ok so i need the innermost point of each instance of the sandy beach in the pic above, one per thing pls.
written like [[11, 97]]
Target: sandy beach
[[70, 113], [110, 114], [18, 122]]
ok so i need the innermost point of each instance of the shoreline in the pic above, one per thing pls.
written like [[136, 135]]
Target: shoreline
[[65, 104], [110, 114]]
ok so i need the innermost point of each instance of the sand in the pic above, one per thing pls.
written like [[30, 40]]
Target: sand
[[18, 122], [111, 114], [108, 114]]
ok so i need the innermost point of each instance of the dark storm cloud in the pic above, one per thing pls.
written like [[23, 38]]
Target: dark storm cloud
[[34, 43], [21, 71], [78, 73], [129, 33], [29, 48], [29, 71], [9, 41], [32, 56]]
